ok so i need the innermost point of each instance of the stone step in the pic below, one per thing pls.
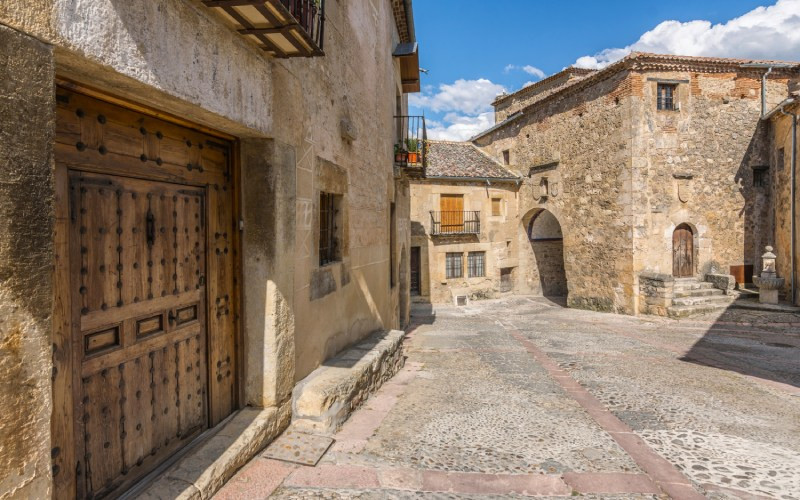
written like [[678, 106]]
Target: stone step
[[686, 311], [697, 292], [693, 285], [708, 299]]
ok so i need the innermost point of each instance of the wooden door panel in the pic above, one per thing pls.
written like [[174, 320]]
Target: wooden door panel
[[683, 252], [415, 270], [222, 320], [452, 213], [142, 269]]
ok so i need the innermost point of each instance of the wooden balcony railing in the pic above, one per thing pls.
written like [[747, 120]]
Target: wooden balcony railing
[[411, 148], [443, 223], [283, 28]]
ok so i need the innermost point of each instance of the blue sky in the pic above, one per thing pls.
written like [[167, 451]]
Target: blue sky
[[475, 49]]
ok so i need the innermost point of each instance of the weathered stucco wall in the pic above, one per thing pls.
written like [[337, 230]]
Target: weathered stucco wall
[[26, 263], [781, 141], [498, 238], [581, 145]]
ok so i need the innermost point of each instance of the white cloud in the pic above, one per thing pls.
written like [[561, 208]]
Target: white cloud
[[763, 33], [531, 70], [465, 96], [455, 127]]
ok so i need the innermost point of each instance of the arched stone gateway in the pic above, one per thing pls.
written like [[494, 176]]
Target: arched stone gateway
[[542, 257]]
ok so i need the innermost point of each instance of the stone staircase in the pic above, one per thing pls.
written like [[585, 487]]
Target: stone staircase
[[692, 296]]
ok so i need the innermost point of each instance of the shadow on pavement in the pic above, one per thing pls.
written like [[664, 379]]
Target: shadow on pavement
[[761, 344]]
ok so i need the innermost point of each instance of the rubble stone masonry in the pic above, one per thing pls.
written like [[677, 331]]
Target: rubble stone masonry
[[621, 175]]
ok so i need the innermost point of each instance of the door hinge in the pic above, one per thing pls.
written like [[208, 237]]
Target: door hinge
[[241, 224]]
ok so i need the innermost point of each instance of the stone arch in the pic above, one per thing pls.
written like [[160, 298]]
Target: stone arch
[[703, 261], [541, 264]]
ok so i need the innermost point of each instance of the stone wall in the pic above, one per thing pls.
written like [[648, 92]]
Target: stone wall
[[696, 166], [620, 175], [581, 145], [497, 238], [781, 171], [26, 262]]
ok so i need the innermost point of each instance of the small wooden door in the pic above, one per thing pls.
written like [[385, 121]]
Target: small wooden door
[[145, 335], [683, 252], [452, 209], [415, 271]]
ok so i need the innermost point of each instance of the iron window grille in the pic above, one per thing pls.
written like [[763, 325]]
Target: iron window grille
[[666, 96], [476, 264], [760, 177], [328, 228], [454, 265]]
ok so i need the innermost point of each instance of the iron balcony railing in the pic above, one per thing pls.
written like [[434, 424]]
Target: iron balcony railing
[[310, 15], [455, 222], [411, 147]]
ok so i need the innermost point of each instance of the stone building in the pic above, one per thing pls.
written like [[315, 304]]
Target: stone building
[[655, 166], [785, 149], [199, 206], [463, 225]]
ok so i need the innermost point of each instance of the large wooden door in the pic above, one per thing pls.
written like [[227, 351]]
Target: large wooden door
[[415, 271], [683, 252], [144, 341], [452, 213]]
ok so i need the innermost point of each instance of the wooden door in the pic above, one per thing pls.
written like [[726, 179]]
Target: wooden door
[[452, 213], [683, 252], [145, 334], [415, 271]]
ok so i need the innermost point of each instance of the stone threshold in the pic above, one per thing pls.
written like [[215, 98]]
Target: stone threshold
[[324, 400], [208, 464]]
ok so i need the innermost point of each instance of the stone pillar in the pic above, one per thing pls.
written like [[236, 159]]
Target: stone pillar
[[268, 211], [27, 128]]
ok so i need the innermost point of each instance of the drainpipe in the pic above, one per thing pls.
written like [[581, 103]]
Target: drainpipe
[[764, 92], [769, 67], [793, 186]]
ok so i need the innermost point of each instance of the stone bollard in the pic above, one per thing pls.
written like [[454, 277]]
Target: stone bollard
[[768, 283]]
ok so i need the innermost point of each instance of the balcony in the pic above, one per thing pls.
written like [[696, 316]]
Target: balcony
[[455, 223], [410, 150], [282, 28]]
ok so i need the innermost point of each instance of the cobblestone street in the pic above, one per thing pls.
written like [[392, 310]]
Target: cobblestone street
[[521, 397]]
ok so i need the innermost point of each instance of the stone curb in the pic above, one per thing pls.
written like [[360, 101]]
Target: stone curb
[[206, 467], [324, 400]]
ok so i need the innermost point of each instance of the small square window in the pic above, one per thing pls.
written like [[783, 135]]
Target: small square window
[[496, 207], [454, 265], [666, 96], [760, 177], [476, 264], [329, 228]]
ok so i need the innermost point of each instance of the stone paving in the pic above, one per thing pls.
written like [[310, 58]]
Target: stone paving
[[520, 397]]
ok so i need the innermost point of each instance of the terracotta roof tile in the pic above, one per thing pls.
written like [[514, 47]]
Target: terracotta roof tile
[[462, 159]]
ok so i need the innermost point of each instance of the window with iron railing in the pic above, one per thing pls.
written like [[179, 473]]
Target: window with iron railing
[[454, 222], [666, 96], [410, 150], [454, 265], [476, 262], [329, 228]]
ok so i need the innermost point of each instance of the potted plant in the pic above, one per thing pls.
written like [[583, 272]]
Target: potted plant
[[413, 150], [400, 154]]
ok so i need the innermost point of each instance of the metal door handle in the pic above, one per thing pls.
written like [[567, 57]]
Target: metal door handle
[[151, 228], [171, 317]]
